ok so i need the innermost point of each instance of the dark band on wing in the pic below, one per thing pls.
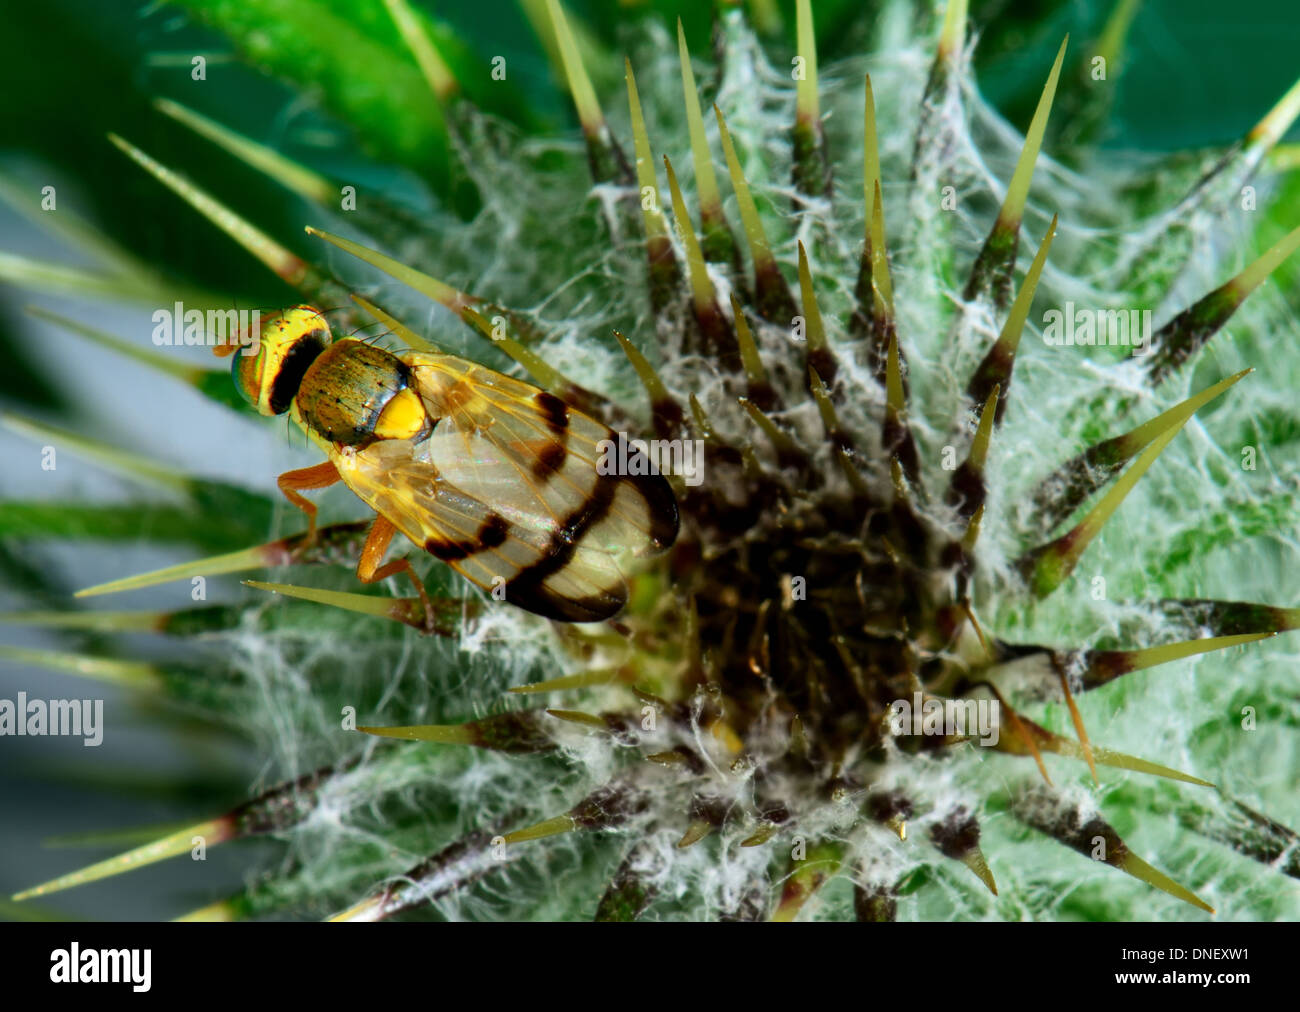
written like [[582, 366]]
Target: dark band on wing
[[491, 534], [661, 505], [554, 410], [559, 608], [528, 590], [549, 461]]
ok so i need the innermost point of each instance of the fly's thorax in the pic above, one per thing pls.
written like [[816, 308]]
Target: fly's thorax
[[447, 383], [355, 393], [288, 345]]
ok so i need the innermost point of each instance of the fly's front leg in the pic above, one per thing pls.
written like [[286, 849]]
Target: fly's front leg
[[292, 482], [370, 571]]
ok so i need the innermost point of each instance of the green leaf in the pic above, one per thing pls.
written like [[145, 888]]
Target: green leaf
[[371, 83]]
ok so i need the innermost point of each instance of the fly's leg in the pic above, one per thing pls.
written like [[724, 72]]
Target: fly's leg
[[292, 482], [370, 571]]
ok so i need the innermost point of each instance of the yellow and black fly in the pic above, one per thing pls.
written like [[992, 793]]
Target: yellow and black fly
[[493, 476]]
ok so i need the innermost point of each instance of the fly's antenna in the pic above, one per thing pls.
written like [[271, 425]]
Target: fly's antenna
[[244, 337]]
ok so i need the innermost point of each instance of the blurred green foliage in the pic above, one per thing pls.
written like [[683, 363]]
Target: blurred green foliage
[[331, 83]]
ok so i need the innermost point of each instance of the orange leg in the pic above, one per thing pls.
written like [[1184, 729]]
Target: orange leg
[[370, 571], [320, 476]]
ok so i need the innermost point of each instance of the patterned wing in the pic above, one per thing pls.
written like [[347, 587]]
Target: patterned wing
[[506, 490]]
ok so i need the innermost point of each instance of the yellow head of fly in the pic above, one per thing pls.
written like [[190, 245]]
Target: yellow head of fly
[[290, 342]]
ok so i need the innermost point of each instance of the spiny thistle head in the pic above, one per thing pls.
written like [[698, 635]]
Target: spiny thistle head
[[804, 291]]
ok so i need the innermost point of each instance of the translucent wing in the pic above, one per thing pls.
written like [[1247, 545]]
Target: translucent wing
[[506, 490]]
